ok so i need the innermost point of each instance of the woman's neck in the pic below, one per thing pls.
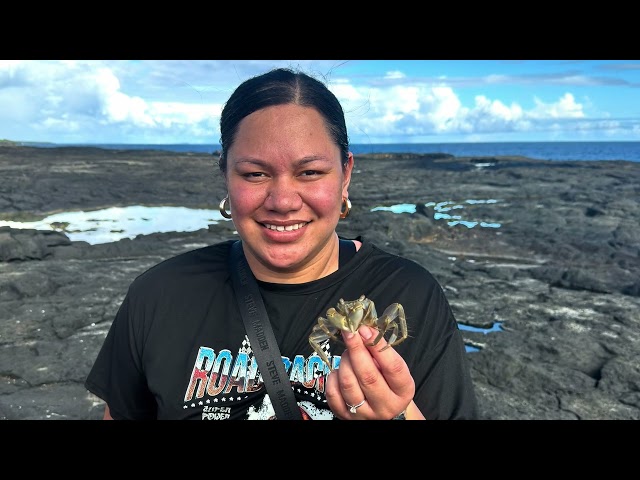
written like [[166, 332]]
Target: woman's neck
[[322, 265]]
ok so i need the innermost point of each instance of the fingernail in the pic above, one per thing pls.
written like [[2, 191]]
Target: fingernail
[[347, 335], [365, 332]]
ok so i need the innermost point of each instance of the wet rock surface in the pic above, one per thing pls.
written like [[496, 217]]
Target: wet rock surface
[[544, 264]]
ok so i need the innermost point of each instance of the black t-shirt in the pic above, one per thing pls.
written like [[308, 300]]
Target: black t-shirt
[[178, 349]]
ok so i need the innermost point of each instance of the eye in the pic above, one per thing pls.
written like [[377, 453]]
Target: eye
[[253, 175], [310, 173]]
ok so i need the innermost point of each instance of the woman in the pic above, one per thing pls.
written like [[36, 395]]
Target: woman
[[178, 348]]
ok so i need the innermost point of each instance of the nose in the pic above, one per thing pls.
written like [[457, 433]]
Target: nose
[[283, 198]]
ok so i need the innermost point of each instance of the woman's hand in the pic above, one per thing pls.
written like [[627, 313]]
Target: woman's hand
[[381, 378]]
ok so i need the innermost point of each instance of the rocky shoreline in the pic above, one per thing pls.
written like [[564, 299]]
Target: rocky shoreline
[[543, 264]]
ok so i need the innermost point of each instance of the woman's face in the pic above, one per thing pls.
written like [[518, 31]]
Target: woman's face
[[285, 182]]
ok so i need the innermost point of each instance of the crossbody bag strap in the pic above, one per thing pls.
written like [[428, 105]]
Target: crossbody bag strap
[[263, 341]]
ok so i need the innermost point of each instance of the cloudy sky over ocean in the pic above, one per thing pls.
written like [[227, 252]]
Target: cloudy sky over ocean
[[385, 101]]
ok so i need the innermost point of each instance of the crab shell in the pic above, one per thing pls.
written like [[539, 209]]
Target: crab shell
[[348, 316]]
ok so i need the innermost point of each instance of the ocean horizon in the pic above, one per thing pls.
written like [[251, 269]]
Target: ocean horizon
[[564, 151]]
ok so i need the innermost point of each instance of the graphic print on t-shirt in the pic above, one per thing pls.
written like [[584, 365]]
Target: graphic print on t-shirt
[[221, 382]]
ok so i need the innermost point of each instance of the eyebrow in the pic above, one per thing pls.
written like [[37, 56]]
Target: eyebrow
[[299, 163]]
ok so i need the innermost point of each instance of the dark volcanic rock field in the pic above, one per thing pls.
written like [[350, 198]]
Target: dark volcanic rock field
[[550, 279]]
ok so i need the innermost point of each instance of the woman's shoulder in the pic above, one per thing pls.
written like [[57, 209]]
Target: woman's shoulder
[[381, 254], [404, 270], [211, 259]]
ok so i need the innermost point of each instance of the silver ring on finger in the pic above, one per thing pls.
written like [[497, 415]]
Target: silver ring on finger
[[353, 408]]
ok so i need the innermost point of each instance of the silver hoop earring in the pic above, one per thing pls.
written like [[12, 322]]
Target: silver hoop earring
[[344, 212], [223, 209]]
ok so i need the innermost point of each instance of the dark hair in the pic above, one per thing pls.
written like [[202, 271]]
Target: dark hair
[[282, 86]]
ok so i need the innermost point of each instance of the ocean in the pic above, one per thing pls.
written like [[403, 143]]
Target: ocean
[[629, 151]]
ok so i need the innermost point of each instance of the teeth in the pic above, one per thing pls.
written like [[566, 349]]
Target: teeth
[[288, 228]]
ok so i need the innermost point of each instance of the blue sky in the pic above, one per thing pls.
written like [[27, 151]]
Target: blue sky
[[386, 101]]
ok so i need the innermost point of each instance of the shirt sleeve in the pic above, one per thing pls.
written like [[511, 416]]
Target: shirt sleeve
[[447, 391], [117, 376], [438, 360]]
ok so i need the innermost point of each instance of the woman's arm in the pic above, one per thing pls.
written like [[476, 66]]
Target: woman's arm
[[107, 413]]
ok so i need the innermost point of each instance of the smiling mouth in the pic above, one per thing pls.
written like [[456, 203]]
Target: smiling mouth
[[283, 228]]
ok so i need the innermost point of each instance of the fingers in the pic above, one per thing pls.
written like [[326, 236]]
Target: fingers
[[390, 364], [342, 390], [372, 373]]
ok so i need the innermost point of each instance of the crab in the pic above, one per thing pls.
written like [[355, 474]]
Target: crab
[[348, 316]]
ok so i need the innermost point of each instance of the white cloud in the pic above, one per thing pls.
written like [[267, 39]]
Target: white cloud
[[565, 107], [394, 74], [497, 109], [429, 110], [180, 102], [62, 99]]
